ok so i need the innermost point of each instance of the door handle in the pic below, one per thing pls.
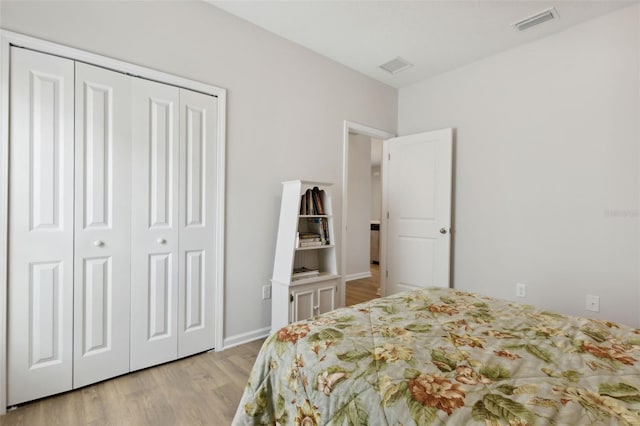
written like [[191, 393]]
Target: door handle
[[161, 241], [98, 243], [443, 230]]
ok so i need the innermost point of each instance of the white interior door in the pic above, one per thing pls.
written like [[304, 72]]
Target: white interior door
[[418, 200], [40, 264], [198, 132], [102, 224], [154, 224]]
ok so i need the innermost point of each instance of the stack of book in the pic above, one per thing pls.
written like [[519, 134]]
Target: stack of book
[[311, 202], [309, 239], [303, 272]]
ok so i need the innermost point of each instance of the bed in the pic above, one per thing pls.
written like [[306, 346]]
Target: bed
[[439, 356]]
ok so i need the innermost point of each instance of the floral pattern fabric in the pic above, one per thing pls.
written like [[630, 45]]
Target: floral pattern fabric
[[439, 356]]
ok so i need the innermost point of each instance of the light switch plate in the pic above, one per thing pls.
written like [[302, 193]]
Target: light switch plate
[[266, 292]]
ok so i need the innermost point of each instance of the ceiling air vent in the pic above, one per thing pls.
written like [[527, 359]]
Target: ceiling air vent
[[538, 18], [396, 65]]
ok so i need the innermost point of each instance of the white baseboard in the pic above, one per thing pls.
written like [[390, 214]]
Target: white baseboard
[[242, 338], [358, 276]]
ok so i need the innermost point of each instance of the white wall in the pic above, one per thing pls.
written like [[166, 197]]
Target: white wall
[[359, 206], [376, 193], [546, 166], [376, 179], [277, 91]]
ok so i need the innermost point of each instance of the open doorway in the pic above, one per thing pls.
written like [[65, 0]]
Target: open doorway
[[362, 257], [415, 224]]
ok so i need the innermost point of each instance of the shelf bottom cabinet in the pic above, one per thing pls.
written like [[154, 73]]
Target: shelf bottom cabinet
[[304, 301]]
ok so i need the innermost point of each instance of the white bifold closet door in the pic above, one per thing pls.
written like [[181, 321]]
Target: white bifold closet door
[[154, 231], [40, 269], [69, 277], [198, 133], [112, 212], [102, 224], [173, 232]]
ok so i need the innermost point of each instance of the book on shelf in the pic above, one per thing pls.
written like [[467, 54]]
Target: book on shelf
[[308, 239], [304, 203], [317, 201], [303, 272], [310, 202], [324, 227], [304, 244], [308, 235]]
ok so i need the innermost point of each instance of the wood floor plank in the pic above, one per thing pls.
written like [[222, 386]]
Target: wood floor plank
[[363, 290], [200, 390]]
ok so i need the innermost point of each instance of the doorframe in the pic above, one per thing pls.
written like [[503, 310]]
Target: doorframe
[[361, 129], [10, 38]]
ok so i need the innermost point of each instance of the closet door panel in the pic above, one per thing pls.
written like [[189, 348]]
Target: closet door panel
[[40, 264], [198, 132], [154, 244], [102, 225], [160, 309]]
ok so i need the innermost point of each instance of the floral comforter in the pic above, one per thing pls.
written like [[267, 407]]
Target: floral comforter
[[444, 356]]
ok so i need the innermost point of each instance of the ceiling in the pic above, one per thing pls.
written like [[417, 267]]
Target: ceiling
[[435, 36]]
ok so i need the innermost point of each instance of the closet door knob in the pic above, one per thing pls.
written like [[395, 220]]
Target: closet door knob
[[98, 243], [161, 241]]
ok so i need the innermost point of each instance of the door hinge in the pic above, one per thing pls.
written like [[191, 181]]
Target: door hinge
[[389, 156], [387, 215], [387, 273], [291, 297]]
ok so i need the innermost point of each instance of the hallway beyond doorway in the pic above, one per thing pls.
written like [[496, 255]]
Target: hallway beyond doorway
[[365, 289]]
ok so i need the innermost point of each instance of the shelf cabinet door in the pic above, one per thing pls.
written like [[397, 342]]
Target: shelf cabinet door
[[310, 300], [303, 304], [326, 297]]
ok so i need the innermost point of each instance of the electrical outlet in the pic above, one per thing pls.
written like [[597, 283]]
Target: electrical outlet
[[266, 292], [521, 290], [593, 303]]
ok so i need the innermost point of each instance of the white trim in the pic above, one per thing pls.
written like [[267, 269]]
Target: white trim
[[220, 225], [362, 129], [351, 126], [4, 212], [9, 38], [384, 221], [44, 46], [638, 159], [358, 276], [242, 338]]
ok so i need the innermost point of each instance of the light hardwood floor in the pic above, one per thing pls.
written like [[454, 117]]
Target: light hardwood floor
[[200, 390], [358, 291]]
